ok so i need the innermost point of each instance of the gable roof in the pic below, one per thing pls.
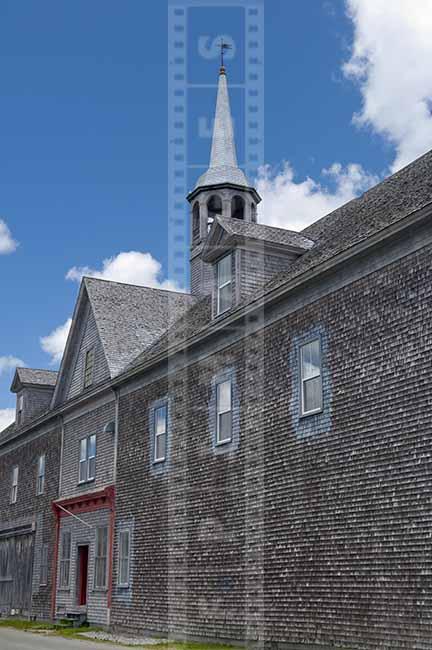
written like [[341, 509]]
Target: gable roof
[[131, 318], [238, 230], [33, 377]]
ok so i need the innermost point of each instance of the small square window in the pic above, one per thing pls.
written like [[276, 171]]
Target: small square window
[[311, 380]]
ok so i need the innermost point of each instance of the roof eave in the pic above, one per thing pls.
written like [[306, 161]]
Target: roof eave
[[220, 186]]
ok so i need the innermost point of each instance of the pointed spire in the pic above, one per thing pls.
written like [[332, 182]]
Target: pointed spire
[[223, 160]]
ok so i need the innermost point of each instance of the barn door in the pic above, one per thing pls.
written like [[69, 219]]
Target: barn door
[[16, 568]]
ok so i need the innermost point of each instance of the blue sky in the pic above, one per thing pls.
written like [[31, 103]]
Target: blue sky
[[83, 133]]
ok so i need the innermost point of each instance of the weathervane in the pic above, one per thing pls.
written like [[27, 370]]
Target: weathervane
[[223, 46]]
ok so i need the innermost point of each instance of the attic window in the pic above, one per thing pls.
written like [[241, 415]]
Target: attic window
[[88, 368], [20, 408]]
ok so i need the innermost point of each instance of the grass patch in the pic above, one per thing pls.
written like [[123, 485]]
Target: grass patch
[[76, 633]]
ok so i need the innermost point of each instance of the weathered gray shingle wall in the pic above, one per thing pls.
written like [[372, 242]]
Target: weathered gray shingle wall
[[31, 508], [340, 553], [92, 422]]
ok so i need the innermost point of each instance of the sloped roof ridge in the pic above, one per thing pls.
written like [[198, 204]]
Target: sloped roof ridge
[[86, 278]]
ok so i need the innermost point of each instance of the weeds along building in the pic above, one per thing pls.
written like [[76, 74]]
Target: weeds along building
[[248, 462]]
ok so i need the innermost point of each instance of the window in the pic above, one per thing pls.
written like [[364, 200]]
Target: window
[[43, 575], [160, 433], [237, 207], [223, 412], [224, 289], [14, 487], [124, 555], [65, 558], [100, 580], [196, 222], [311, 383], [20, 408], [214, 208], [87, 463], [88, 368], [40, 482]]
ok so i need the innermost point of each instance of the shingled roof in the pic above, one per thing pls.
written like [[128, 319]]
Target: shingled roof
[[264, 233], [131, 318], [403, 193], [33, 377]]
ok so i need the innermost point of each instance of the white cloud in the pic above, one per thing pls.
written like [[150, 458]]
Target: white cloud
[[10, 363], [7, 243], [294, 205], [7, 416], [391, 61], [54, 343], [130, 267]]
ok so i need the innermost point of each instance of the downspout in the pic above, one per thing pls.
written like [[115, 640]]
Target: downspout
[[61, 454]]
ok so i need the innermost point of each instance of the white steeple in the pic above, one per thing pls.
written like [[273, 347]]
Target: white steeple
[[223, 160]]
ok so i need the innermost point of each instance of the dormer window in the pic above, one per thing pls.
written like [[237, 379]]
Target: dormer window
[[224, 284], [88, 368]]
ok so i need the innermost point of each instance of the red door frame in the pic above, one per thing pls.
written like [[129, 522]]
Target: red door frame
[[83, 553]]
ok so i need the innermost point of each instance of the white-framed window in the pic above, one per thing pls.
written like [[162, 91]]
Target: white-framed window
[[160, 427], [43, 574], [124, 558], [87, 462], [311, 380], [101, 555], [65, 559], [224, 411], [224, 284], [88, 368], [14, 485], [20, 409], [40, 480]]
